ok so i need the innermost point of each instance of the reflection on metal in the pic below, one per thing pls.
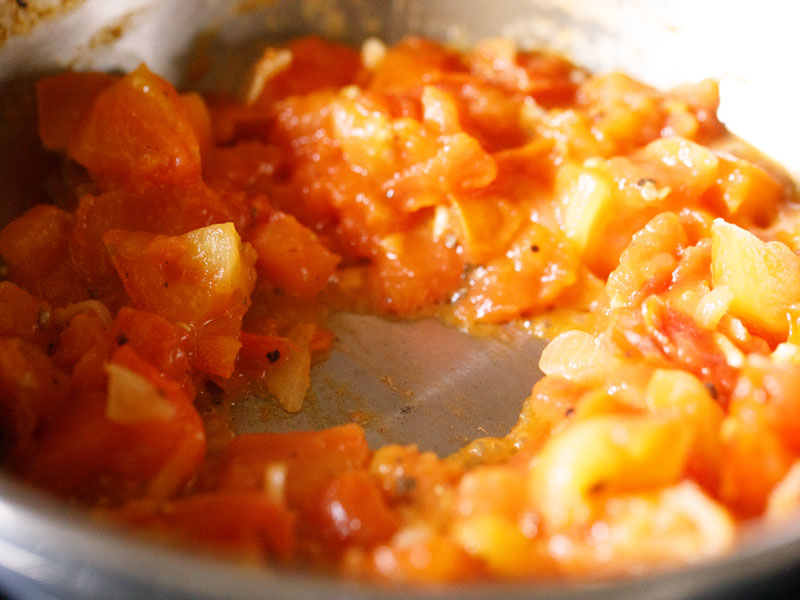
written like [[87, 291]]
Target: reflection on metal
[[410, 382]]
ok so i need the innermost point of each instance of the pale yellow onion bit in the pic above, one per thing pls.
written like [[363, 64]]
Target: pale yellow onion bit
[[733, 356], [275, 482], [712, 307], [678, 524], [604, 454], [372, 52], [172, 474], [788, 352], [575, 356], [289, 380], [134, 399], [272, 62], [61, 316], [784, 498]]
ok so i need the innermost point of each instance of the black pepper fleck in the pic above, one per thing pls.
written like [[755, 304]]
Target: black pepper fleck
[[273, 355]]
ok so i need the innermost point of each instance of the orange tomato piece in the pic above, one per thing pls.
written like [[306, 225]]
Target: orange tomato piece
[[242, 524], [138, 129], [411, 62], [315, 64], [312, 459], [413, 272], [32, 389], [291, 256], [95, 452], [165, 209], [754, 460], [36, 250], [349, 511], [536, 268], [216, 354], [194, 278], [161, 343], [62, 100]]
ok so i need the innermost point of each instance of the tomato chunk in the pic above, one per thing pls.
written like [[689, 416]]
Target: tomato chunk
[[136, 129], [63, 100]]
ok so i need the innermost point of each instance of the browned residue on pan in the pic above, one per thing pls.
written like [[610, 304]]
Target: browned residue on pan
[[18, 17]]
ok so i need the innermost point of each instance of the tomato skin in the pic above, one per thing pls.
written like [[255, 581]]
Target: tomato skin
[[692, 348], [138, 129]]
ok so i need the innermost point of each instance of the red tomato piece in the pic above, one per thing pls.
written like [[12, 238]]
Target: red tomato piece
[[194, 278], [315, 64], [23, 315]]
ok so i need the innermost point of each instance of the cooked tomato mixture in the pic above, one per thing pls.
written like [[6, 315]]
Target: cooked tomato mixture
[[193, 245]]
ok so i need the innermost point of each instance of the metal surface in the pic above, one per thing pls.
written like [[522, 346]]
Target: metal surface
[[417, 382], [393, 377]]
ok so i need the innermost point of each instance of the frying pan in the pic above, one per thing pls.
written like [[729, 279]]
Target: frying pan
[[417, 382]]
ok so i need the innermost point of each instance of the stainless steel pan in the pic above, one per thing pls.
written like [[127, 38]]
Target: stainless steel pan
[[391, 371]]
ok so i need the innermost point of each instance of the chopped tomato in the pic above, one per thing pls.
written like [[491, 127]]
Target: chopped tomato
[[63, 100], [138, 129], [291, 256], [146, 443], [312, 459], [35, 248], [351, 510]]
